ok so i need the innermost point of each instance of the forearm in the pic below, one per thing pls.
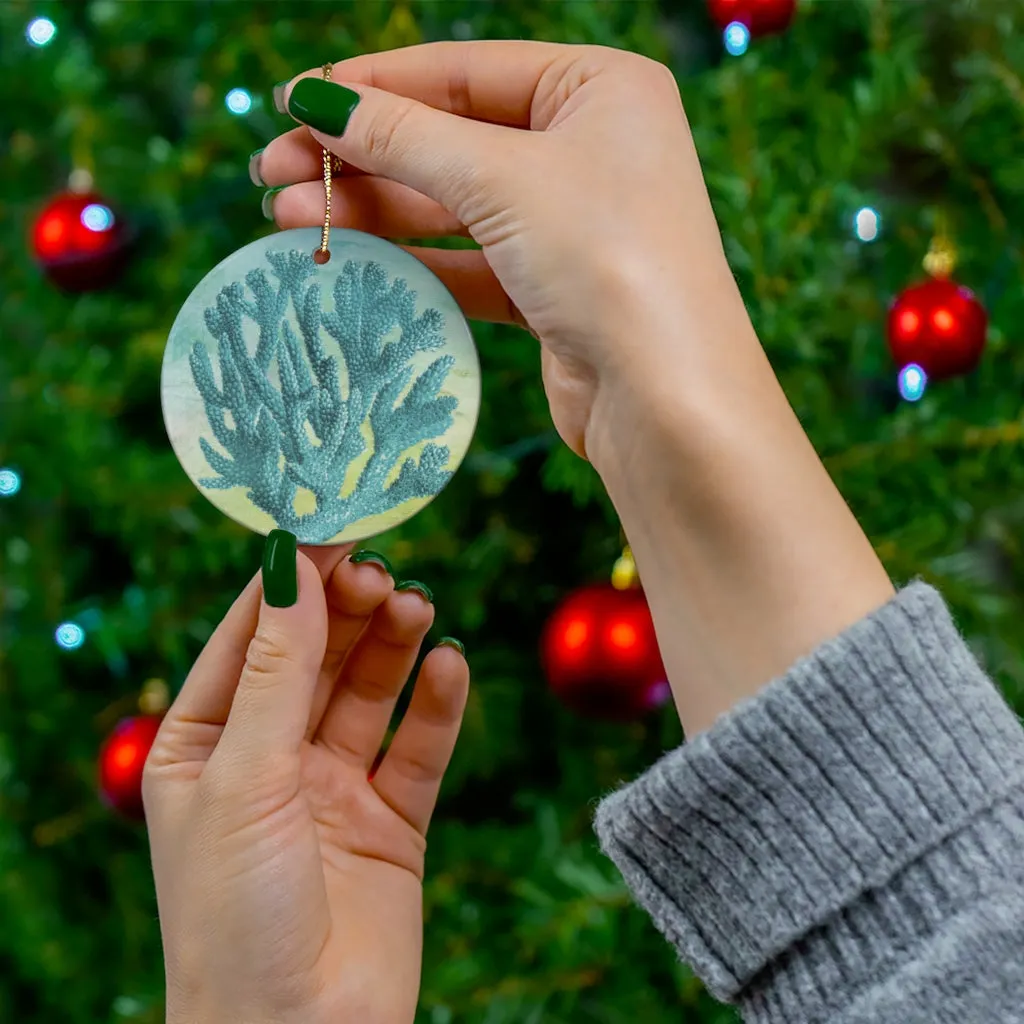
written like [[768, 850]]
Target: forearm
[[748, 554]]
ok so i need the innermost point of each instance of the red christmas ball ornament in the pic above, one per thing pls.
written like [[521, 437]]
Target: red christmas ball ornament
[[761, 17], [121, 761], [80, 242], [940, 326], [601, 656]]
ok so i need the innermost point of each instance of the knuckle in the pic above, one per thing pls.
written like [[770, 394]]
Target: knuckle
[[265, 659], [384, 132], [216, 789], [657, 73], [418, 768]]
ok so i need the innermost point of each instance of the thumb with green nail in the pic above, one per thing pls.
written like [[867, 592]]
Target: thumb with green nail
[[288, 850]]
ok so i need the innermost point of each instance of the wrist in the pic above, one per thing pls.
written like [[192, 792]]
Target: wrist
[[748, 554]]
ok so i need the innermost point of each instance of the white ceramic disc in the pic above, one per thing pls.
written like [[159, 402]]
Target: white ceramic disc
[[332, 400]]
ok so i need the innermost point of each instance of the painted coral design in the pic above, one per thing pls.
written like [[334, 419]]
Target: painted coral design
[[307, 432]]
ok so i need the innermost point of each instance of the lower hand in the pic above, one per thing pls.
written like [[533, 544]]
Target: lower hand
[[288, 879]]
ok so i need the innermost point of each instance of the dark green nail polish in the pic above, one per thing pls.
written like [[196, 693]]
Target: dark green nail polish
[[280, 573], [372, 556], [450, 641], [279, 97], [420, 588], [267, 203], [254, 168], [322, 105]]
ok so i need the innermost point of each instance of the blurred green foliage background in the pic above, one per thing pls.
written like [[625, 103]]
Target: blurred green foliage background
[[913, 108]]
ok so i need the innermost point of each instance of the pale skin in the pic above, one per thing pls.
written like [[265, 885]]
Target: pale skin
[[289, 883]]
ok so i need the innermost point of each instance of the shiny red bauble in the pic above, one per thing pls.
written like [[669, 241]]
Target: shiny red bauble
[[601, 656], [761, 17], [940, 326], [80, 242], [122, 759]]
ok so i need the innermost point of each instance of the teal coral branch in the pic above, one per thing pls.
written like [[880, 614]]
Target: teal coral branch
[[304, 431]]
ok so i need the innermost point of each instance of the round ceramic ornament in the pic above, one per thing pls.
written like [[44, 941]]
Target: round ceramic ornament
[[331, 398]]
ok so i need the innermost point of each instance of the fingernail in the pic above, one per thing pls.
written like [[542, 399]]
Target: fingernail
[[267, 202], [450, 641], [421, 588], [279, 97], [372, 556], [254, 168], [280, 572], [322, 105]]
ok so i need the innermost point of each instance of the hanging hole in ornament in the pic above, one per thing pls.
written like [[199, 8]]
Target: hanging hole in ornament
[[321, 256]]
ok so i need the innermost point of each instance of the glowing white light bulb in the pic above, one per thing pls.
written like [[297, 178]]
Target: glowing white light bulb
[[238, 101], [97, 217], [69, 635], [912, 382], [40, 31], [10, 483], [737, 38], [867, 224]]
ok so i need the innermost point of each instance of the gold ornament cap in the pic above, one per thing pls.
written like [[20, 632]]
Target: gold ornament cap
[[624, 574], [940, 261]]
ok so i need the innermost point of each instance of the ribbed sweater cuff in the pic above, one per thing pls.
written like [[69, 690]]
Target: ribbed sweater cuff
[[811, 827]]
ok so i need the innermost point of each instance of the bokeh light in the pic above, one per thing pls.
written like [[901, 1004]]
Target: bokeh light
[[10, 483], [40, 31], [69, 635], [737, 38], [912, 382], [97, 217], [867, 224], [238, 101]]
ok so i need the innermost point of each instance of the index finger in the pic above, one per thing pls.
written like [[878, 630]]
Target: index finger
[[492, 80]]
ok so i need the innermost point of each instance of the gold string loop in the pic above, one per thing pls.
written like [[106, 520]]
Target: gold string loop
[[332, 166]]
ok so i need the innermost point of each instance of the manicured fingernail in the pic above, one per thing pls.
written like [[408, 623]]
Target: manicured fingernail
[[267, 203], [450, 641], [254, 169], [280, 572], [372, 556], [322, 105], [279, 97], [421, 588]]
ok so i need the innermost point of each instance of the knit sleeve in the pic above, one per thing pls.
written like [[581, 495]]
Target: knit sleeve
[[848, 845]]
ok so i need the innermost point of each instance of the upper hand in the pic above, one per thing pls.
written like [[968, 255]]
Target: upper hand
[[574, 169], [289, 881]]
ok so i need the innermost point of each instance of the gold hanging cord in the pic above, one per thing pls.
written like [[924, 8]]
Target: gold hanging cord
[[332, 166]]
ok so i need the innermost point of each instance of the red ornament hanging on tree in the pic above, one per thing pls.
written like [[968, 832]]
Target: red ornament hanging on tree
[[761, 17], [123, 754], [80, 242], [600, 653], [937, 325]]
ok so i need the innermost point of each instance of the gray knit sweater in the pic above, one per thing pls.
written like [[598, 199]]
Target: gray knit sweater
[[847, 846]]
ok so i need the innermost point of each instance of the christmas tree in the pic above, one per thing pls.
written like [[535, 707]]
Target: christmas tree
[[836, 152]]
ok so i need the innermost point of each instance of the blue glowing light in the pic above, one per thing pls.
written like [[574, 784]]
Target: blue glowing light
[[40, 31], [867, 224], [737, 38], [69, 635], [97, 217], [238, 101], [912, 382], [10, 483]]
